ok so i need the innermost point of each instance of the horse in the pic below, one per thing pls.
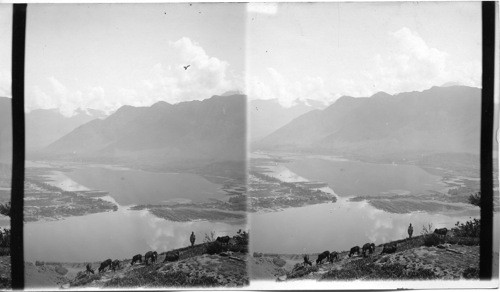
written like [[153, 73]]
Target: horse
[[89, 269], [104, 265], [136, 258], [223, 239], [115, 264], [354, 250], [370, 247], [307, 261], [441, 231], [172, 256], [333, 256], [322, 256], [150, 255], [389, 248]]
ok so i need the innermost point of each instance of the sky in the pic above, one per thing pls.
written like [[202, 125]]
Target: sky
[[103, 56], [322, 51]]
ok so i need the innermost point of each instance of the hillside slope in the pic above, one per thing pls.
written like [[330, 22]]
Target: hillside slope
[[212, 129], [440, 119]]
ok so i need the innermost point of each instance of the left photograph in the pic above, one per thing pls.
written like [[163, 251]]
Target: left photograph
[[135, 146]]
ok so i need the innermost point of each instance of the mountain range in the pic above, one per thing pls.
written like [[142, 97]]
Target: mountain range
[[440, 119], [266, 116], [211, 130]]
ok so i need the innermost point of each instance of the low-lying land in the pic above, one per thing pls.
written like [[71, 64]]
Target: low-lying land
[[48, 202], [268, 193], [45, 201]]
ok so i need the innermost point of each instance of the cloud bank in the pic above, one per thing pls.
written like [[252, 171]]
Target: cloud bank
[[410, 65], [206, 76]]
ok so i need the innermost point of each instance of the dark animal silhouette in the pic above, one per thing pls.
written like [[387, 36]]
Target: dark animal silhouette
[[389, 248], [307, 261], [223, 240], [192, 238], [150, 255], [136, 258], [104, 265], [172, 256], [333, 256], [89, 269], [115, 264], [186, 67], [441, 231], [322, 256], [354, 250], [368, 247]]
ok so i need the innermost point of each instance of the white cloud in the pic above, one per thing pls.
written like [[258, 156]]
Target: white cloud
[[206, 76], [414, 65], [5, 84], [263, 8], [286, 91]]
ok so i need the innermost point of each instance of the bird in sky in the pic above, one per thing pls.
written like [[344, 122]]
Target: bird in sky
[[186, 67]]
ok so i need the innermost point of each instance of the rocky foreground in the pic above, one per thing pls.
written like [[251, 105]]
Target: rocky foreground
[[211, 264], [413, 260]]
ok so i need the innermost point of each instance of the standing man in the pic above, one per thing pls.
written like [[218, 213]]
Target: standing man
[[410, 230], [192, 238]]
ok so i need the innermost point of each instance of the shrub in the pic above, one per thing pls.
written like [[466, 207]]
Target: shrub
[[468, 241], [471, 228], [433, 240], [215, 248], [471, 273]]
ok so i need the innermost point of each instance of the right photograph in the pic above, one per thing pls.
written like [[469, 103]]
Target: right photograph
[[364, 141]]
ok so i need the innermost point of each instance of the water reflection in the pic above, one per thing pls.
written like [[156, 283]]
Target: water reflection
[[119, 234]]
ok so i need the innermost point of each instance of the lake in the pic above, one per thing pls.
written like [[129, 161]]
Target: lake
[[124, 233], [130, 187], [344, 224]]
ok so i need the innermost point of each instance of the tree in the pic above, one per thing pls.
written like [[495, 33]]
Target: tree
[[475, 199], [5, 209]]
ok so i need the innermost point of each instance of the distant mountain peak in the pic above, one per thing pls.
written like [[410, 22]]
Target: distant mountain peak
[[232, 92], [381, 94]]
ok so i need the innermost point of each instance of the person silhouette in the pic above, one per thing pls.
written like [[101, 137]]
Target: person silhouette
[[192, 238], [410, 230]]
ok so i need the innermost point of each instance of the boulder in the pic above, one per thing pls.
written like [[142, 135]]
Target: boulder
[[61, 270]]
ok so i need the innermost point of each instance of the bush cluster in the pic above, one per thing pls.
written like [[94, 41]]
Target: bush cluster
[[471, 228], [471, 273], [433, 240]]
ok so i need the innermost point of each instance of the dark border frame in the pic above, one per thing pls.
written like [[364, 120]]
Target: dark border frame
[[487, 120], [17, 192]]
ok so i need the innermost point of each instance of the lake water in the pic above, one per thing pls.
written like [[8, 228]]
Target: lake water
[[116, 235], [354, 178], [123, 233], [344, 224], [129, 187]]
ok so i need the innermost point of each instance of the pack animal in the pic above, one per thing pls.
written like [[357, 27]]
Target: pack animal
[[322, 256], [441, 231], [354, 250], [172, 256], [307, 261], [333, 256], [89, 269], [151, 255], [104, 265], [224, 240], [389, 248], [115, 264], [136, 258], [368, 247]]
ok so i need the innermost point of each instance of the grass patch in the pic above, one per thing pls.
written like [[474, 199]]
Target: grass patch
[[365, 269], [150, 277]]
